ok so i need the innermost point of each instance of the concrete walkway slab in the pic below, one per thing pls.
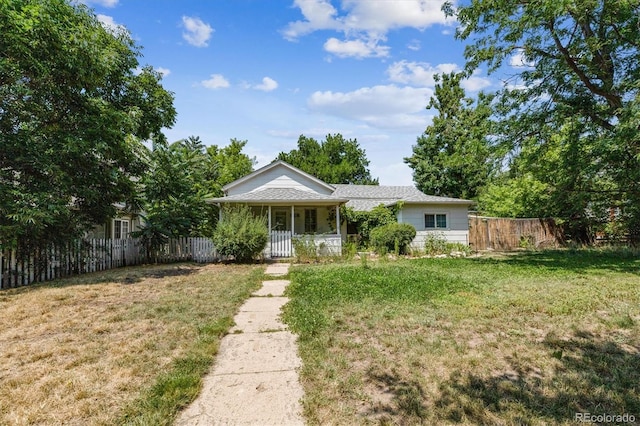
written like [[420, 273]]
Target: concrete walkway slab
[[264, 304], [272, 288], [277, 269], [257, 322], [258, 353], [247, 399], [255, 379]]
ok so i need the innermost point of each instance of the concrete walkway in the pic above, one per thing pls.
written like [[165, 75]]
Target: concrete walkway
[[254, 380]]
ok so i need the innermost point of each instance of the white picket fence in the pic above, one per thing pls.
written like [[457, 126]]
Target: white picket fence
[[281, 245], [79, 257]]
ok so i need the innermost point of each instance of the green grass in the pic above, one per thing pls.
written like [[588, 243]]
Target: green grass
[[520, 339]]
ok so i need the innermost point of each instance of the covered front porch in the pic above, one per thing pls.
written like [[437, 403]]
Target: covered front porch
[[318, 225]]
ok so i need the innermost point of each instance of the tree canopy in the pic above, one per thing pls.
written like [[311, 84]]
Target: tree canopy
[[181, 176], [573, 102], [334, 160], [454, 155], [72, 114]]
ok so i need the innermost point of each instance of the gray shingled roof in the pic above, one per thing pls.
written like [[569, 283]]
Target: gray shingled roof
[[366, 197], [278, 195]]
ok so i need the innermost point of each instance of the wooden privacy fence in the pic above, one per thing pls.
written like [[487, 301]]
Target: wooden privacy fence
[[18, 268], [496, 233]]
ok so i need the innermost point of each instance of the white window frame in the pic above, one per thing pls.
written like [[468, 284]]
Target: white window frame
[[125, 228], [435, 220]]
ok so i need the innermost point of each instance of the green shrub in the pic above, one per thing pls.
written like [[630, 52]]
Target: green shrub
[[240, 234], [393, 237], [305, 249], [435, 244]]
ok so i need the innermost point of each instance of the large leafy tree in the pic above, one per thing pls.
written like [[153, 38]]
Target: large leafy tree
[[182, 176], [454, 155], [72, 113], [334, 160], [580, 65]]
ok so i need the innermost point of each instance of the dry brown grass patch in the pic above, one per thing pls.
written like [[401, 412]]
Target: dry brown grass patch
[[75, 352]]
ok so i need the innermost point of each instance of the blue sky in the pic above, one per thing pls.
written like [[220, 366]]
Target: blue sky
[[267, 71]]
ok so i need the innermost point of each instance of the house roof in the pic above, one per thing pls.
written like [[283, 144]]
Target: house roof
[[271, 166], [280, 195], [358, 197], [366, 197]]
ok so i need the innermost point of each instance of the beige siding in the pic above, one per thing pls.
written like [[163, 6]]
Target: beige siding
[[279, 177]]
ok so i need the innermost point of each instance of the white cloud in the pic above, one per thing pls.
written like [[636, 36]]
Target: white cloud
[[363, 22], [417, 73], [356, 48], [518, 60], [197, 32], [422, 74], [217, 81], [104, 3], [475, 83], [164, 71], [414, 45], [268, 84], [388, 107], [111, 25]]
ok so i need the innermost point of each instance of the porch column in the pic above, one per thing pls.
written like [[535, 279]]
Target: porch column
[[293, 226], [269, 215], [338, 219]]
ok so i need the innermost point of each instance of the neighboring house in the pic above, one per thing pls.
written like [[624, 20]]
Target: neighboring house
[[118, 227], [297, 203]]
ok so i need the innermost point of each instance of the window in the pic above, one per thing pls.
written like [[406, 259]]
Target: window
[[120, 228], [435, 221], [280, 221], [310, 220]]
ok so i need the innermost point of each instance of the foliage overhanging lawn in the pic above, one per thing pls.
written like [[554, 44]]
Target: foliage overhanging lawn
[[127, 346], [524, 339]]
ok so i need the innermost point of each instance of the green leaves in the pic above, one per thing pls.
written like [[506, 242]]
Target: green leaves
[[454, 155], [72, 113], [334, 160]]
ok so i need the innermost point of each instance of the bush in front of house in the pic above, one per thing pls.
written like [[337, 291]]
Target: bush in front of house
[[392, 237], [240, 234]]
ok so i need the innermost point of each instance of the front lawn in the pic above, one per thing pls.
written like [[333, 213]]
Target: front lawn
[[126, 346], [523, 339]]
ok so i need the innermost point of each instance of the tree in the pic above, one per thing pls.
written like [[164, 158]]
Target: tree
[[581, 63], [72, 115], [334, 160], [182, 176], [453, 157]]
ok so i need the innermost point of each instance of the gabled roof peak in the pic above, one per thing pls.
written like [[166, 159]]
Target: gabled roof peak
[[270, 166]]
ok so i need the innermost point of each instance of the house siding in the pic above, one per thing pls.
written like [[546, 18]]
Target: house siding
[[279, 177], [457, 230]]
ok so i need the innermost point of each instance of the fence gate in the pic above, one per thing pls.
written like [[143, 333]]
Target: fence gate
[[281, 244]]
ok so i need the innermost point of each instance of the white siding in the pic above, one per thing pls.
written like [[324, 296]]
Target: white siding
[[279, 177], [451, 236], [457, 219], [457, 230]]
